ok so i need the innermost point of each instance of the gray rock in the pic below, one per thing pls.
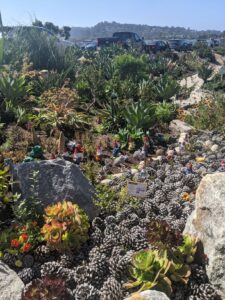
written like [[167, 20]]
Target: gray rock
[[149, 295], [57, 180], [178, 126], [11, 286], [120, 160], [207, 222]]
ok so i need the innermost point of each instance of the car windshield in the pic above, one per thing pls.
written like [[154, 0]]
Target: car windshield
[[122, 35]]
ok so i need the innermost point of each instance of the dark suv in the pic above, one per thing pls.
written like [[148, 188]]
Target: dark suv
[[155, 46], [180, 45]]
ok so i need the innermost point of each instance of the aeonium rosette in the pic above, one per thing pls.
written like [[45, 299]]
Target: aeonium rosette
[[66, 226]]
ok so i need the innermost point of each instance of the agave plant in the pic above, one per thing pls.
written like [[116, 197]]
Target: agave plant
[[14, 89], [166, 88], [165, 112], [140, 115]]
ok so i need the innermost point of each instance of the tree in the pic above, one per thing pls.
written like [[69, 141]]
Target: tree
[[53, 28], [37, 23], [65, 32]]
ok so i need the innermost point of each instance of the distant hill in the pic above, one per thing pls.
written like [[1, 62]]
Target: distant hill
[[106, 29]]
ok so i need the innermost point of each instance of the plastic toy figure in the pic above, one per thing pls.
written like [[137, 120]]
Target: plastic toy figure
[[36, 153], [78, 154], [222, 166], [131, 144], [99, 152], [146, 146], [188, 169], [116, 148]]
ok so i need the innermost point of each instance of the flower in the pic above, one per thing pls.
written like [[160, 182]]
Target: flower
[[26, 247], [23, 237], [18, 263], [15, 243], [185, 197]]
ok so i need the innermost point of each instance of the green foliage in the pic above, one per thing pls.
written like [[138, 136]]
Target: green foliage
[[47, 288], [140, 115], [32, 208], [208, 116], [153, 269], [220, 50], [166, 88], [20, 238], [205, 52], [205, 71], [66, 226], [165, 112], [125, 133], [129, 67], [110, 201], [14, 89], [1, 41], [216, 84]]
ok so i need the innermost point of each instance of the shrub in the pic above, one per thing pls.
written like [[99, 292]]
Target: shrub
[[129, 67], [66, 226], [140, 115], [205, 71], [208, 115]]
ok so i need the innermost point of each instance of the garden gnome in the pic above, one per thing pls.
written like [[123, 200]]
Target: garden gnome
[[188, 169], [146, 146], [78, 153], [99, 152], [170, 154], [222, 166], [116, 148], [131, 145]]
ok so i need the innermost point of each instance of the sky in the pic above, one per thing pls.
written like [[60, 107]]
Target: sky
[[195, 14]]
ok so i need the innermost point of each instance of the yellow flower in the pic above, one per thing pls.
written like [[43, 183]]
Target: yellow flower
[[185, 197], [200, 159]]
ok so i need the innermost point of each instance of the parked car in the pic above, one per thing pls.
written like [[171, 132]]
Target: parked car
[[180, 45], [156, 46], [91, 46], [125, 39]]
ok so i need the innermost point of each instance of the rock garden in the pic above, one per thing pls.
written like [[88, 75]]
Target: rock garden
[[78, 129]]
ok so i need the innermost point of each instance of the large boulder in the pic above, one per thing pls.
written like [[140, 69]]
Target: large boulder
[[207, 222], [11, 286], [178, 126], [57, 180]]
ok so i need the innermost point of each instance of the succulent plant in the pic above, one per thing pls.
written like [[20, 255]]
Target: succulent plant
[[47, 288], [66, 226]]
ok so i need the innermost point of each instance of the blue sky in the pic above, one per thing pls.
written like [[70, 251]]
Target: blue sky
[[196, 14]]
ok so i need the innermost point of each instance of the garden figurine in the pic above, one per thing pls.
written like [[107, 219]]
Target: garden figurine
[[36, 153], [146, 146], [99, 152], [78, 153], [170, 154], [116, 148], [188, 169], [131, 144], [222, 166]]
